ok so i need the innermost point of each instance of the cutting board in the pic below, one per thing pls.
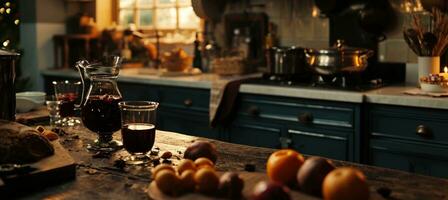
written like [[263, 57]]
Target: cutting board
[[250, 180], [49, 171]]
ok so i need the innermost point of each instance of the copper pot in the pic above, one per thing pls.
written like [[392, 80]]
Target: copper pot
[[338, 59]]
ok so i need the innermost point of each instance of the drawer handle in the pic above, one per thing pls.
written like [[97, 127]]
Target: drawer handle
[[424, 131], [253, 111], [188, 102], [285, 142], [306, 118]]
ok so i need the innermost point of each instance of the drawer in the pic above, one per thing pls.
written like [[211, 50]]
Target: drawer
[[320, 144], [138, 92], [190, 123], [298, 111], [424, 125], [184, 98], [255, 134], [412, 157]]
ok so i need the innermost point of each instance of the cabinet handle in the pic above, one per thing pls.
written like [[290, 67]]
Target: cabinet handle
[[188, 102], [253, 111], [424, 131], [306, 118], [285, 142]]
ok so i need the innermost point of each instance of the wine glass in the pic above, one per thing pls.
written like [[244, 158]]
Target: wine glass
[[67, 92], [138, 129]]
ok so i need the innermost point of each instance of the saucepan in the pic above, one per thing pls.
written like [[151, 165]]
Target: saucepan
[[338, 59], [286, 60]]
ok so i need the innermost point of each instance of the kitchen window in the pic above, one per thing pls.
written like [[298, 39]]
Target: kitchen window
[[174, 15]]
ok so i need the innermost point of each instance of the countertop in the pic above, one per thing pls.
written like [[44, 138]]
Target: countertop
[[98, 178], [389, 95]]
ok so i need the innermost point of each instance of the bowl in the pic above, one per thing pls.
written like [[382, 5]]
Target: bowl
[[24, 104], [36, 96], [434, 88]]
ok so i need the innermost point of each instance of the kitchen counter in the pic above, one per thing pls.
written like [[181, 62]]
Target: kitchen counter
[[390, 95], [98, 178], [394, 95]]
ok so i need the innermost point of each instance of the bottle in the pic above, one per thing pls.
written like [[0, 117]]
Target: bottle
[[197, 60], [126, 53], [245, 43], [236, 39]]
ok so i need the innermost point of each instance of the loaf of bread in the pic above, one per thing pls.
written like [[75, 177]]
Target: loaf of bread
[[20, 144]]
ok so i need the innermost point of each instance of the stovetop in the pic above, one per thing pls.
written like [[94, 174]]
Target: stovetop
[[343, 83]]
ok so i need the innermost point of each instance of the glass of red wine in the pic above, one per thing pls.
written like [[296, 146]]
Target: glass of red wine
[[67, 93], [138, 129]]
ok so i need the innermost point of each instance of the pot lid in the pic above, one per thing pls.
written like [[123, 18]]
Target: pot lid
[[5, 54], [338, 48]]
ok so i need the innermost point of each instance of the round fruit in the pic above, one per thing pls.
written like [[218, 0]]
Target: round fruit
[[312, 174], [201, 149], [282, 166], [203, 162], [185, 164], [207, 180], [231, 185], [270, 190], [160, 168], [187, 182], [167, 182], [345, 183]]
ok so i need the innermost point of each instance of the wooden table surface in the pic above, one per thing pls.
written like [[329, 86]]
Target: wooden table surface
[[98, 177]]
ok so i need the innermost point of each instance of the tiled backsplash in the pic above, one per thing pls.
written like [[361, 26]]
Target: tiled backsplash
[[294, 21], [298, 24]]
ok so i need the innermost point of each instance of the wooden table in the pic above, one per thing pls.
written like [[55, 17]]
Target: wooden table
[[98, 178]]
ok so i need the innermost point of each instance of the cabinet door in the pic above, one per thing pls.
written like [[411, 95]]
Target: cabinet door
[[318, 144], [138, 92], [190, 123], [255, 134], [415, 158]]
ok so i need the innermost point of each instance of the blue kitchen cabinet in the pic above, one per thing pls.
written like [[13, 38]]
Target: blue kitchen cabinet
[[185, 110], [409, 139], [321, 128]]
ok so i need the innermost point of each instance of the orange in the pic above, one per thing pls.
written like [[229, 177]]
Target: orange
[[203, 162], [207, 180], [282, 166], [187, 182], [167, 181], [185, 164], [160, 168], [345, 183]]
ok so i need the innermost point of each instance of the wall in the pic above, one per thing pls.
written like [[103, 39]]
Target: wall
[[41, 19]]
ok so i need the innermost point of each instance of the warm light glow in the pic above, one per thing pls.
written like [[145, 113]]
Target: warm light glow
[[8, 10], [16, 22], [6, 43], [2, 10], [7, 4], [315, 12], [445, 69]]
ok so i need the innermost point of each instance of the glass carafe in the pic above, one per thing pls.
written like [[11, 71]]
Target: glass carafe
[[99, 101]]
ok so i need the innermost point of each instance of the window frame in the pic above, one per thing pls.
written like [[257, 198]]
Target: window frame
[[137, 9]]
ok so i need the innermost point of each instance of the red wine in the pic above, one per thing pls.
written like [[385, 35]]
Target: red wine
[[101, 113], [138, 137], [67, 107]]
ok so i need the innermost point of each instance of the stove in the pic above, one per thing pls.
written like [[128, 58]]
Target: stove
[[339, 82]]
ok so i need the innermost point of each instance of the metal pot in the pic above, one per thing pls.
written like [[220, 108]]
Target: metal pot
[[7, 85], [339, 59], [286, 60]]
